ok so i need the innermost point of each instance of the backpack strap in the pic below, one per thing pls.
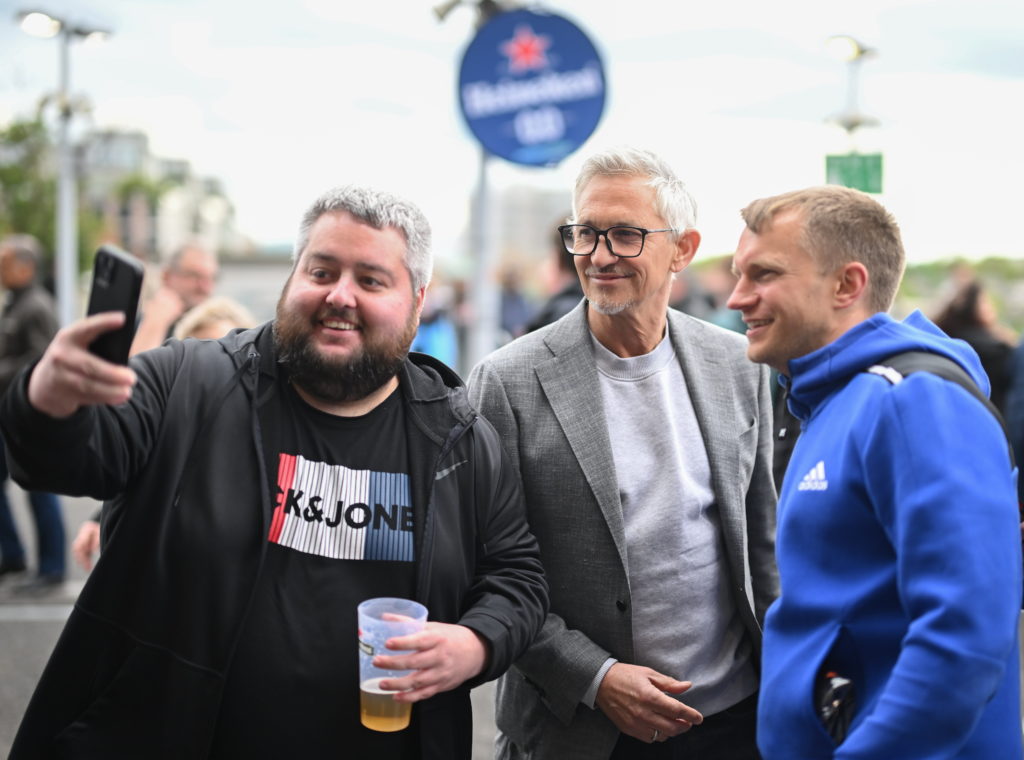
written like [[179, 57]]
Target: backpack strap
[[894, 368]]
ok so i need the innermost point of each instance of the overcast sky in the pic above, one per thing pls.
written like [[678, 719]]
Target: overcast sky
[[283, 100]]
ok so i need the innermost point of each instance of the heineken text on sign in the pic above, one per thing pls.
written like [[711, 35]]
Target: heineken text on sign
[[531, 87]]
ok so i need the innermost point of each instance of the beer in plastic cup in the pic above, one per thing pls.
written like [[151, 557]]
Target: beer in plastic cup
[[378, 709]]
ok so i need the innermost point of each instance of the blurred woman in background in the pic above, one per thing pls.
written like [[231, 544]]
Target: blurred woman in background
[[971, 316]]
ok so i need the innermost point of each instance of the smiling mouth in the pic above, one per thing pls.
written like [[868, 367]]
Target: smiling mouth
[[605, 276], [339, 324], [753, 324]]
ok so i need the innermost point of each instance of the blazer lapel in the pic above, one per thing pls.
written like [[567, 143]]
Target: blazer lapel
[[711, 396], [569, 380]]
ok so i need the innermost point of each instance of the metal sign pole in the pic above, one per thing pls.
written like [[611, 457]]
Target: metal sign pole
[[67, 212], [483, 334]]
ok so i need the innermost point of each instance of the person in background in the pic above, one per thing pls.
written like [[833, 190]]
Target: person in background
[[27, 324], [689, 296], [514, 306], [642, 437], [719, 281], [1015, 415], [211, 319], [268, 482], [566, 291], [186, 281], [971, 316], [895, 635], [436, 334]]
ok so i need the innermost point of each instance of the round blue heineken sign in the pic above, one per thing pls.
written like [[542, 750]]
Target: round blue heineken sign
[[531, 87]]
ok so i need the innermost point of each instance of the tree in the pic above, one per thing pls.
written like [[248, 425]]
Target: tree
[[27, 185], [28, 191]]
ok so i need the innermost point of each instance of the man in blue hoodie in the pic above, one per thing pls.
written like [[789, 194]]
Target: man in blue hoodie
[[898, 547]]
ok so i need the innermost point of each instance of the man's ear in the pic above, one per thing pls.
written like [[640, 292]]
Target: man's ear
[[852, 281], [420, 296], [686, 247]]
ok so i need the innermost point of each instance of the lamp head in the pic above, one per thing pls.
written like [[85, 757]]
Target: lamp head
[[847, 48], [39, 24], [42, 24]]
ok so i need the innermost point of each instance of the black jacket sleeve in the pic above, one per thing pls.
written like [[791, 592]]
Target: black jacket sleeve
[[96, 450]]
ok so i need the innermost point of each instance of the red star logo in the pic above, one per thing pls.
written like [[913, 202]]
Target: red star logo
[[525, 50]]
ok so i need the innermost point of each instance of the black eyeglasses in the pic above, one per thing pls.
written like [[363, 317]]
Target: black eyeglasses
[[624, 242]]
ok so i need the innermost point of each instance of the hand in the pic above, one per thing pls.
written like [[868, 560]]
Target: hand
[[159, 313], [86, 544], [444, 657], [164, 307], [634, 699], [68, 376]]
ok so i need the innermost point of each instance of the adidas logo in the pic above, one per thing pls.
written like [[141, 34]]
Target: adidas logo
[[814, 480]]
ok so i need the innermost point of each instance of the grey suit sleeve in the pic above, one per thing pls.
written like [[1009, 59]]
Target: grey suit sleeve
[[562, 662], [760, 506]]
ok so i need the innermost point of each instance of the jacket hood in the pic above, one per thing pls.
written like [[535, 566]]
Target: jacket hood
[[437, 370], [812, 378]]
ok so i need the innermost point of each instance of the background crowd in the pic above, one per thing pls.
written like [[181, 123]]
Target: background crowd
[[181, 300]]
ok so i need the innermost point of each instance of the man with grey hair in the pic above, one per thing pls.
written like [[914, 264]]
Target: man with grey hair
[[265, 484], [186, 281], [27, 324], [643, 440], [896, 634]]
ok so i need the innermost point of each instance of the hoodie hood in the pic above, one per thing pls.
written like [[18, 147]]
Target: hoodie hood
[[814, 377]]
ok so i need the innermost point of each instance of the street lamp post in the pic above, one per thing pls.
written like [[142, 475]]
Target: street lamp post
[[854, 52], [484, 296], [853, 169], [41, 24]]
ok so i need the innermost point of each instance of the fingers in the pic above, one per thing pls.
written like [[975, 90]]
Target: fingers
[[669, 685], [634, 699], [68, 376], [86, 544], [442, 657], [676, 709], [85, 331], [413, 688]]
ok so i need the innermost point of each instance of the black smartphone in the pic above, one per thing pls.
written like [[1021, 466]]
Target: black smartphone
[[116, 286]]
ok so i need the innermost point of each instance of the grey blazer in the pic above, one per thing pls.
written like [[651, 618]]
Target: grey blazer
[[541, 392]]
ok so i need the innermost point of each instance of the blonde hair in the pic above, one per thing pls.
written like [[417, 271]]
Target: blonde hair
[[841, 225], [209, 311]]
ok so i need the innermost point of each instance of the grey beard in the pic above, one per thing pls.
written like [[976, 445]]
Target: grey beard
[[609, 310]]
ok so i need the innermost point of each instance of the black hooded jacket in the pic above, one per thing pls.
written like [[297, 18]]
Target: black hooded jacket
[[139, 669]]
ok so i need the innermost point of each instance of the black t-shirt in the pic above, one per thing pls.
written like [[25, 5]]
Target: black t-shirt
[[341, 532]]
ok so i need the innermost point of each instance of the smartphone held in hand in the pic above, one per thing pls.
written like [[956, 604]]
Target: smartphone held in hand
[[116, 285]]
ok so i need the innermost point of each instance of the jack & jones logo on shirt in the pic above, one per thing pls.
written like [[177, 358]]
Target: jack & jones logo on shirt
[[341, 513]]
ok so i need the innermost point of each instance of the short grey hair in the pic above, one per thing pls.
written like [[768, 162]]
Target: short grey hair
[[672, 200], [379, 210], [173, 263], [26, 248]]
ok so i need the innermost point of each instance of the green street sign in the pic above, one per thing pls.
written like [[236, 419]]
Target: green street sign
[[861, 171]]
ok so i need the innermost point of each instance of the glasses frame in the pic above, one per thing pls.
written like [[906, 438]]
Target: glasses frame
[[607, 240]]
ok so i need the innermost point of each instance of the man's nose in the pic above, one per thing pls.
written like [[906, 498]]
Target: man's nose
[[740, 297], [342, 293], [602, 255]]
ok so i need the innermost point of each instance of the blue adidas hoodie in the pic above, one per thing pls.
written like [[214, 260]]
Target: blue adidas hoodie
[[899, 558]]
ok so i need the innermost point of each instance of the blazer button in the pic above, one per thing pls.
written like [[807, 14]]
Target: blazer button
[[621, 605]]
